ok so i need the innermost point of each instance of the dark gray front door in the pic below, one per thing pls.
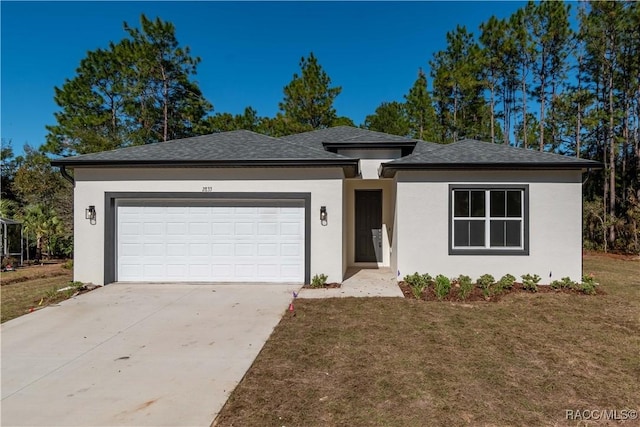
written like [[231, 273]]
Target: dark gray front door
[[368, 226]]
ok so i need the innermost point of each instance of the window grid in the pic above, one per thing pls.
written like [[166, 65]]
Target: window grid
[[487, 218]]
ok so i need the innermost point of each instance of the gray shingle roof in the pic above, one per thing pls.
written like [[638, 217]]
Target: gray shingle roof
[[234, 146], [246, 148], [470, 154], [346, 135]]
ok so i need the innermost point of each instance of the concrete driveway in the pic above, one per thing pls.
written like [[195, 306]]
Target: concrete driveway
[[135, 354]]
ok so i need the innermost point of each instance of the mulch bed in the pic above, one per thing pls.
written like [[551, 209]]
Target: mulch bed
[[332, 285], [477, 295]]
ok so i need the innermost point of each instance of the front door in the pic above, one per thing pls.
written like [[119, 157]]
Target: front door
[[368, 226]]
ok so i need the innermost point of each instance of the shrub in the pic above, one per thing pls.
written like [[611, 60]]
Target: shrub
[[443, 286], [485, 282], [318, 280], [466, 286], [564, 283], [588, 285], [530, 283], [68, 265], [418, 283], [506, 282]]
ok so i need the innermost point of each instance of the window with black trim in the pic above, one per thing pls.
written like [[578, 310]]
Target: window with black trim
[[488, 219]]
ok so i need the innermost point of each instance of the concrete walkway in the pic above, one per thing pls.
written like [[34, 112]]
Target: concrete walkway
[[136, 354], [365, 282]]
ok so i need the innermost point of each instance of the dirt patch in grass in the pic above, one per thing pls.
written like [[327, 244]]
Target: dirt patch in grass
[[31, 288], [523, 360], [23, 274]]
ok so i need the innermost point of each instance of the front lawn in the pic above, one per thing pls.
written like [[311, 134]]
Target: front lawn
[[32, 288], [524, 360]]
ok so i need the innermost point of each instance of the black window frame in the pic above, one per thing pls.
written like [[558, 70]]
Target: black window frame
[[475, 250]]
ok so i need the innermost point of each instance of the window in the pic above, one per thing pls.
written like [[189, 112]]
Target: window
[[489, 220]]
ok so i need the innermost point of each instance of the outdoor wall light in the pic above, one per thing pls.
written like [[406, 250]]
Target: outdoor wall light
[[323, 215], [90, 214]]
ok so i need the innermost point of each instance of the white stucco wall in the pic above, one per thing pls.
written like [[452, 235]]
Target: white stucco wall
[[371, 158], [324, 184], [555, 225]]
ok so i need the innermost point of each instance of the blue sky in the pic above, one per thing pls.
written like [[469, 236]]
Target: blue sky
[[249, 50]]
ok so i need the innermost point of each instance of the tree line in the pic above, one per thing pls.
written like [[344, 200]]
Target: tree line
[[529, 80]]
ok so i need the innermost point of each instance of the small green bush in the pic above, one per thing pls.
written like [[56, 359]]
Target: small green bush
[[564, 283], [68, 265], [466, 286], [588, 285], [530, 283], [443, 286], [318, 281], [506, 282], [418, 283], [485, 282]]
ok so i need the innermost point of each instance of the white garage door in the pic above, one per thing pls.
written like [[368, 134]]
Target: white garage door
[[196, 243]]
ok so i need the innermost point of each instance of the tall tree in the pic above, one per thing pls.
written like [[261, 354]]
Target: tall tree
[[420, 112], [524, 52], [550, 31], [162, 77], [492, 37], [223, 122], [92, 114], [136, 91], [308, 98], [389, 117], [7, 170], [457, 88]]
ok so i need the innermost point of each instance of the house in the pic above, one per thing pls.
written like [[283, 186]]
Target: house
[[240, 206]]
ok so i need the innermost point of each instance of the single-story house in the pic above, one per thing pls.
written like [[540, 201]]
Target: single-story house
[[244, 207]]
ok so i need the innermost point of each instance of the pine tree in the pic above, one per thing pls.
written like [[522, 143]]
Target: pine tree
[[308, 98], [419, 109], [136, 91], [389, 117]]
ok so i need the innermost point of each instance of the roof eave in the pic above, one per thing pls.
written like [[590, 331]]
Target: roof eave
[[388, 170], [350, 166], [408, 144]]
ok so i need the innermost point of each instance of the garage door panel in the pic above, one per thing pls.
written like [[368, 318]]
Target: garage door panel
[[291, 249], [244, 249], [210, 243], [245, 271], [176, 249], [268, 228], [153, 228], [244, 229], [222, 249], [199, 228], [131, 249], [154, 249], [290, 270], [267, 249], [265, 271], [222, 271], [290, 229], [222, 228], [199, 249], [154, 270], [176, 271], [176, 228]]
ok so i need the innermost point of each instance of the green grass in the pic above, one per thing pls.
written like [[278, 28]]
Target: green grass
[[521, 361]]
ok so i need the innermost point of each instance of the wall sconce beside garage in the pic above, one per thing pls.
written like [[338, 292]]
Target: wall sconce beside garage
[[323, 215], [90, 214]]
